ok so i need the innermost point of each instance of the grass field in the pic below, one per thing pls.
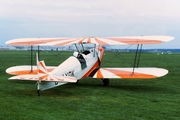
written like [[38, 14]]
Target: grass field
[[89, 100]]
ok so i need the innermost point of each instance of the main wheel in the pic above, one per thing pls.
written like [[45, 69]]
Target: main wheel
[[105, 81], [38, 93]]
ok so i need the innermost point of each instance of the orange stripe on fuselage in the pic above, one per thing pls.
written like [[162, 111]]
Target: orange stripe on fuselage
[[127, 74], [96, 65]]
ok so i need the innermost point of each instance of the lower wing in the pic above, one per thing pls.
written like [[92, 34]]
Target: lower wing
[[26, 69], [130, 73], [27, 72]]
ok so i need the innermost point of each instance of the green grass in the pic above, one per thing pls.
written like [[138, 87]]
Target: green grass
[[122, 99]]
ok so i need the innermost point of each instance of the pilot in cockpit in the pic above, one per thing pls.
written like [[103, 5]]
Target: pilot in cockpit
[[75, 54], [79, 56]]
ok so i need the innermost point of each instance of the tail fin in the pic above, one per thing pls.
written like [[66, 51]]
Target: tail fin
[[42, 70], [44, 75], [46, 80]]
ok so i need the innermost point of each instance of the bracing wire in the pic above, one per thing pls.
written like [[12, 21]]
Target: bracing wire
[[118, 55]]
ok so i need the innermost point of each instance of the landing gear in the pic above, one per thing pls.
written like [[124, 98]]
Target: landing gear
[[105, 81], [77, 82], [38, 88], [38, 93]]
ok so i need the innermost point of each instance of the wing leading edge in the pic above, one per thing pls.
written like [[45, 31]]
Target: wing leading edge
[[144, 73], [90, 40]]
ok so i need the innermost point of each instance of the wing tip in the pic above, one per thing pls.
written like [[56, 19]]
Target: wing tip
[[162, 72]]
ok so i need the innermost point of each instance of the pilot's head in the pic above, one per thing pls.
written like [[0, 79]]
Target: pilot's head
[[75, 54]]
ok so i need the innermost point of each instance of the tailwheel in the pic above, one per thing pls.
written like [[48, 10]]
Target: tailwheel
[[105, 81], [77, 82], [38, 88]]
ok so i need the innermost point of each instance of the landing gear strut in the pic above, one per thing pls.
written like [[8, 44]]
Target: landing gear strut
[[105, 81], [38, 89]]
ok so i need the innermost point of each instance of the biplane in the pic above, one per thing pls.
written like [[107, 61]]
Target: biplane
[[83, 64]]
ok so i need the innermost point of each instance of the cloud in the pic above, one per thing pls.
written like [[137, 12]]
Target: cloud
[[94, 10], [58, 18]]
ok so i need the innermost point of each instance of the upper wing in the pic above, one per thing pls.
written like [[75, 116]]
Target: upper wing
[[128, 73], [90, 40]]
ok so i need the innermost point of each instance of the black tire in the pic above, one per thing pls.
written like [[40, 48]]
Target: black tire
[[38, 93], [105, 81], [76, 83]]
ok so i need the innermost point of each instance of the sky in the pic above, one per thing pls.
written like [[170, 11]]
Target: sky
[[86, 18]]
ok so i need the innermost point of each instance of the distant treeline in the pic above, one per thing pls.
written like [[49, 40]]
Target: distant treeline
[[161, 50], [147, 50]]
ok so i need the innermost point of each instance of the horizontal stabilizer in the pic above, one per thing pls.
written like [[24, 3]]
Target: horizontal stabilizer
[[129, 73], [36, 78], [26, 69]]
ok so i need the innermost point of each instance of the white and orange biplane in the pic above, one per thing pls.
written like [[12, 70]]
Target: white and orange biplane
[[82, 64]]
